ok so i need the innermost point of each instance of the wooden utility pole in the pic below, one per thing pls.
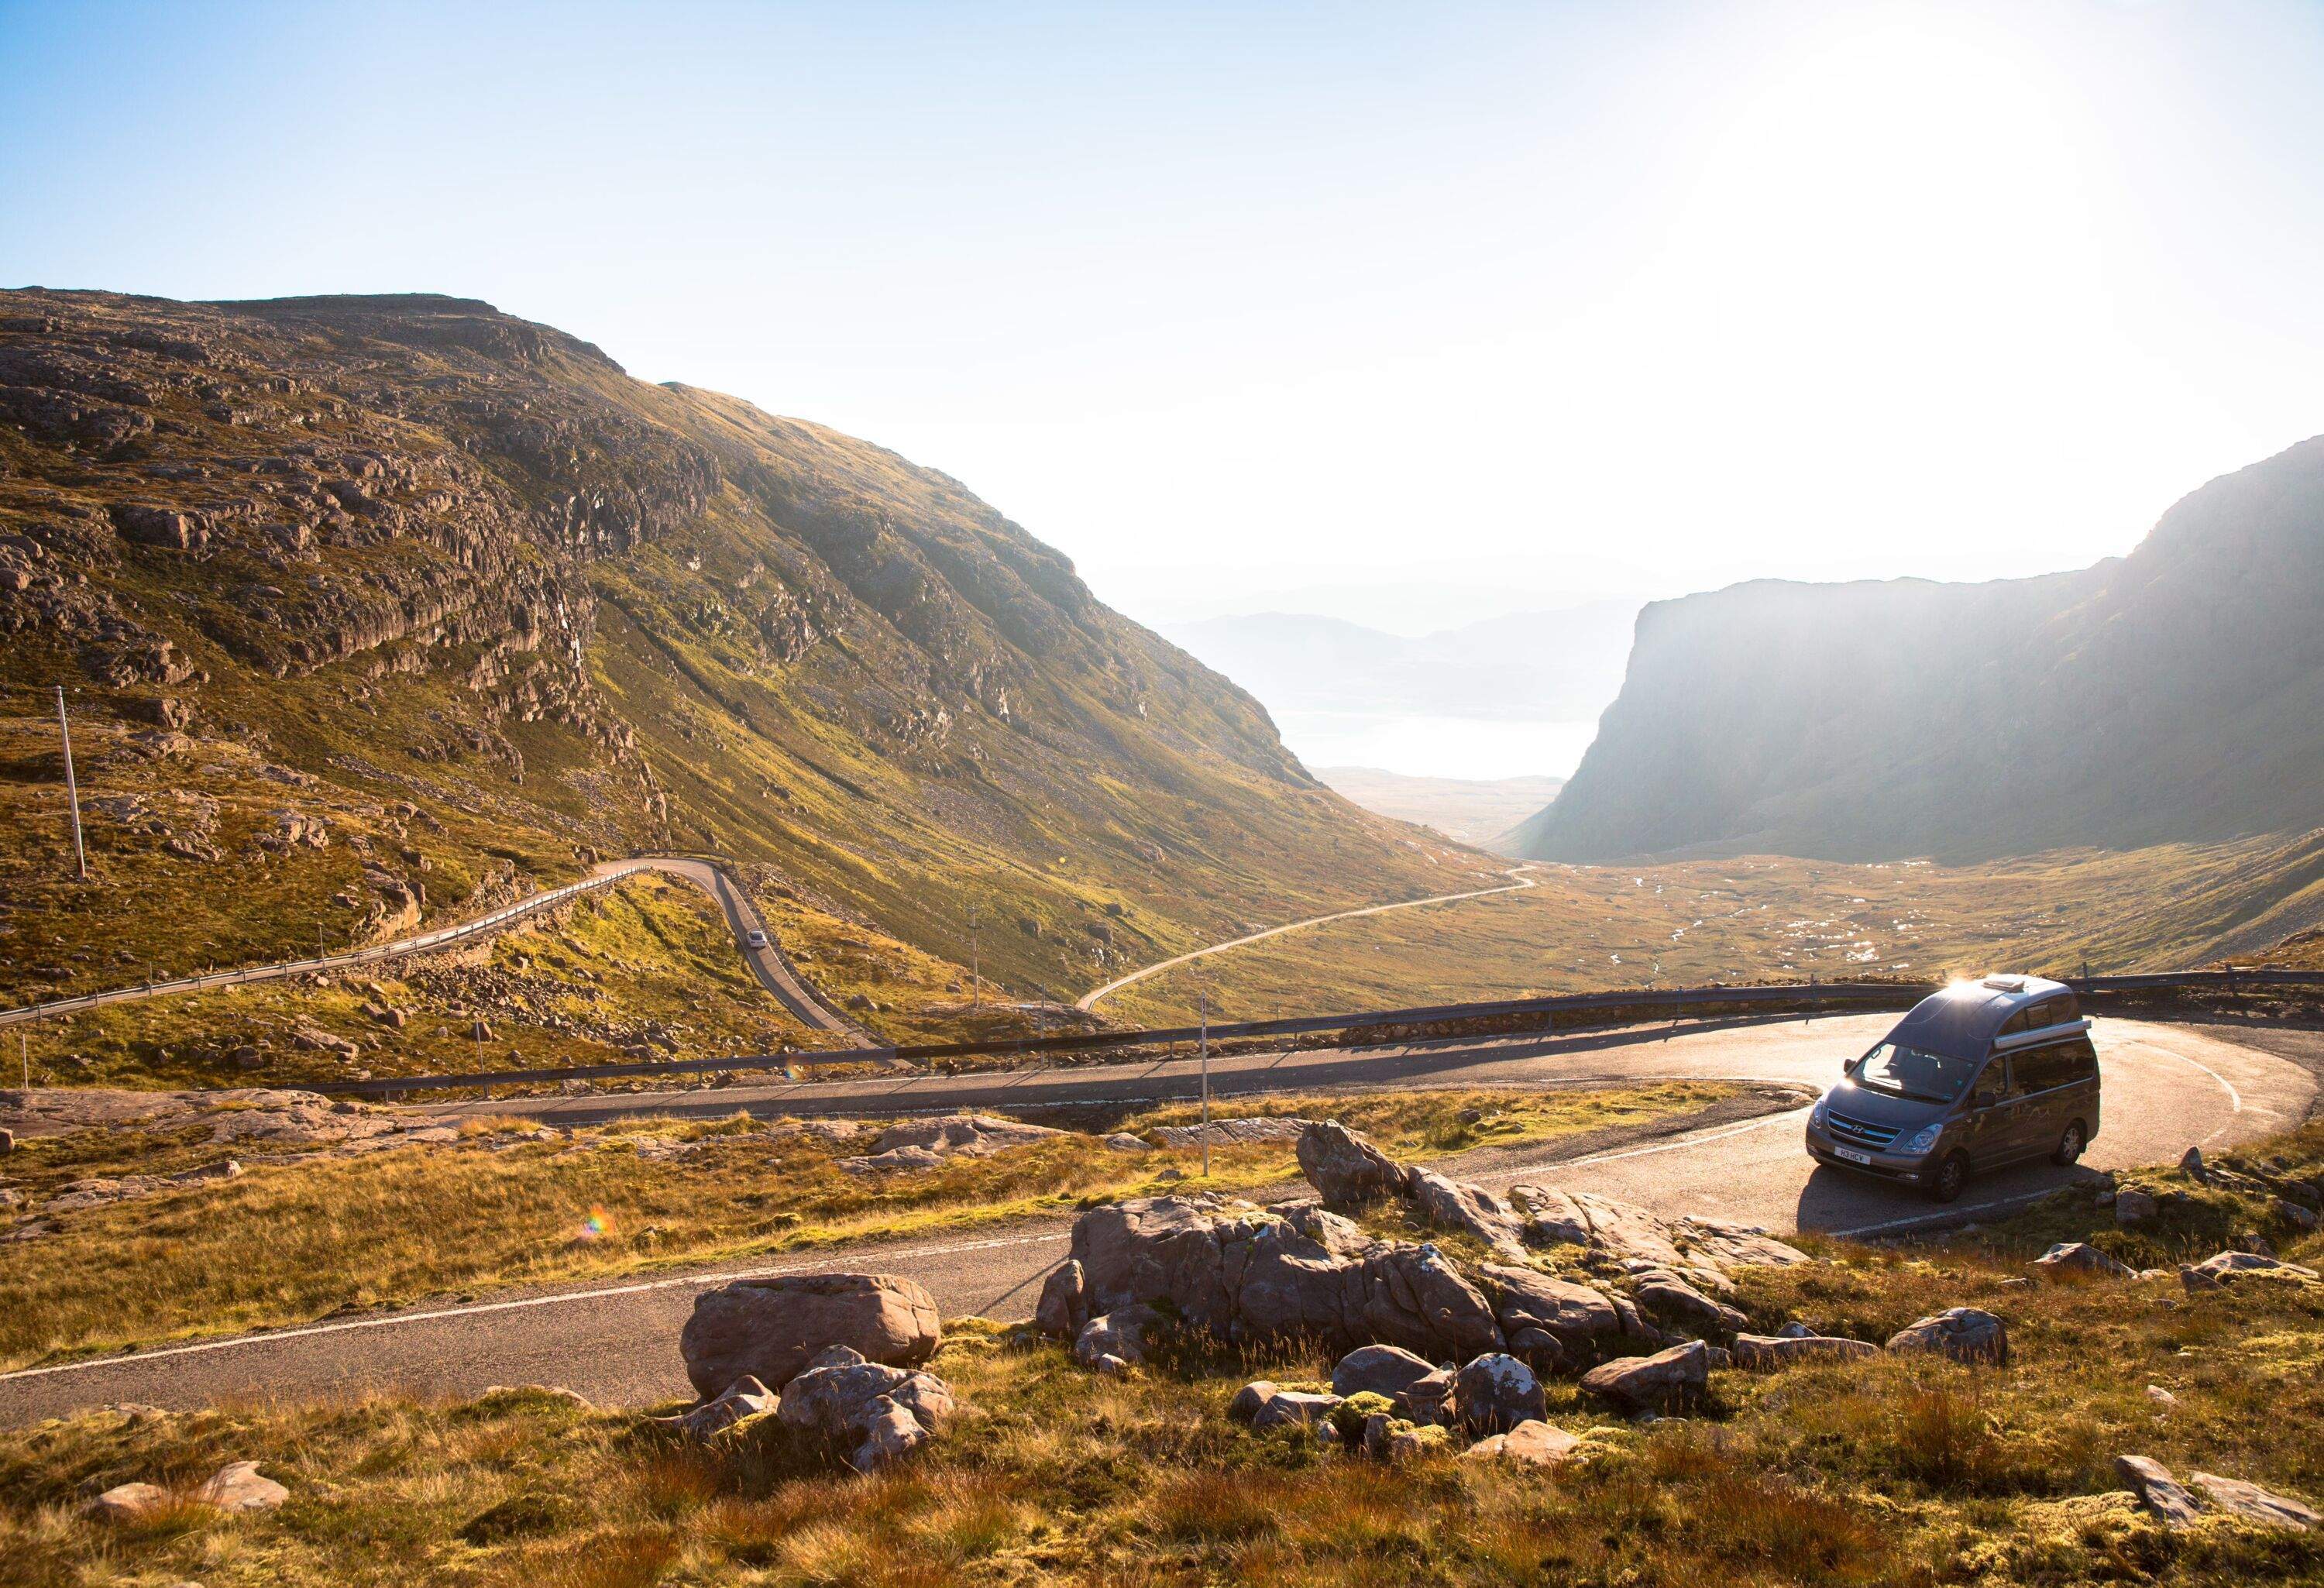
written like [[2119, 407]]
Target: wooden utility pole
[[72, 788]]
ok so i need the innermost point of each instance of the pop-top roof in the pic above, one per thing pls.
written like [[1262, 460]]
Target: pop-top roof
[[1961, 1022]]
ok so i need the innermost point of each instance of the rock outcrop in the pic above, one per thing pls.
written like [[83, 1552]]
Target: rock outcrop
[[868, 1412]]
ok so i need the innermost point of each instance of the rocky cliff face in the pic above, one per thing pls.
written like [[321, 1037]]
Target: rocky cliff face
[[2175, 693], [435, 556]]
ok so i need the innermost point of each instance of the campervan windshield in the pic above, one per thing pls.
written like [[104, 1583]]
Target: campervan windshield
[[1908, 1072]]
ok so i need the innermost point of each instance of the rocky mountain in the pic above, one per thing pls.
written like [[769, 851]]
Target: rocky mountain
[[2174, 694], [402, 599]]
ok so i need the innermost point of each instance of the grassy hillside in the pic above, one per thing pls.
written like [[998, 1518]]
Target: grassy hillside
[[2175, 695], [1593, 928], [381, 609]]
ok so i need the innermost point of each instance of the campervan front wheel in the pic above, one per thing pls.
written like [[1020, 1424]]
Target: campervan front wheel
[[1952, 1178], [2069, 1145]]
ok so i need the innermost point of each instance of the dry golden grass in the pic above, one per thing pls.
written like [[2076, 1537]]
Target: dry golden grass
[[292, 1242]]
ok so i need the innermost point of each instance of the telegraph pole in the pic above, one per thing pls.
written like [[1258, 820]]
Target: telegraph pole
[[1203, 1001], [72, 787]]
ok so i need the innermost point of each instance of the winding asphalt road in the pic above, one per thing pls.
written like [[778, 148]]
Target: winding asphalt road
[[768, 965], [2167, 1087]]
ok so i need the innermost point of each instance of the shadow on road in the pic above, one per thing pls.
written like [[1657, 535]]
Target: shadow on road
[[1836, 1201]]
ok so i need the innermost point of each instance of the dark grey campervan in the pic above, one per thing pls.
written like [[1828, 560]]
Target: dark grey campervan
[[1981, 1074]]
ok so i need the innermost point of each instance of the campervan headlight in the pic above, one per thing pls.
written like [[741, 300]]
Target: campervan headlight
[[1924, 1138], [1822, 1106]]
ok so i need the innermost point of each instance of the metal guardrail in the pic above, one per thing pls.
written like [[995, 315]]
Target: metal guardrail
[[1815, 996], [481, 926]]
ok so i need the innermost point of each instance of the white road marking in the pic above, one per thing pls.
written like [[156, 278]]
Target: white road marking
[[1938, 1218], [1673, 1145], [478, 1309]]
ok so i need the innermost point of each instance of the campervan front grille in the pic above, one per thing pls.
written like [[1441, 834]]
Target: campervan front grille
[[1861, 1133]]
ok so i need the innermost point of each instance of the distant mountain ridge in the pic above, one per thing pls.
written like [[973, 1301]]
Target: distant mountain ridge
[[2174, 694]]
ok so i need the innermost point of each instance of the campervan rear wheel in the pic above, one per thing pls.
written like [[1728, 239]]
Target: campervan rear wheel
[[2069, 1145]]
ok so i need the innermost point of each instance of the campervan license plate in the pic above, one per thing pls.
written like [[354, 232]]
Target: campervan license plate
[[1851, 1155]]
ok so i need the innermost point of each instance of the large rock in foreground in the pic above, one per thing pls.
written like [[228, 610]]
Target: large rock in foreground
[[770, 1329], [1250, 1272]]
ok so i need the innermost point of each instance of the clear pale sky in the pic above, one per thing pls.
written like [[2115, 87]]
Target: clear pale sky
[[1401, 312]]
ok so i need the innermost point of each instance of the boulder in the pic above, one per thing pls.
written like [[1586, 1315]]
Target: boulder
[[1581, 1320], [743, 1400], [1540, 1443], [1493, 1393], [1669, 1378], [1454, 1205], [1669, 1299], [1427, 1401], [2151, 1482], [1244, 1272], [1119, 1334], [1250, 1398], [1384, 1369], [125, 1502], [1063, 1306], [974, 1135], [1765, 1352], [1345, 1166], [238, 1487], [772, 1328], [1271, 1128], [1286, 1408], [2081, 1259], [2131, 1207], [2225, 1268], [2253, 1503], [870, 1412], [1964, 1334], [895, 1160], [1123, 1141], [1699, 1251]]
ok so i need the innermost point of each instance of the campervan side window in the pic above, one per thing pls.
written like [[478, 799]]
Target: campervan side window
[[2038, 1069]]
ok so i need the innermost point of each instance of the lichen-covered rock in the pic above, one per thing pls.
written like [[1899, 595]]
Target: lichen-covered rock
[[1286, 1408], [1493, 1393], [1580, 1321], [772, 1328], [741, 1400], [1964, 1334], [867, 1411]]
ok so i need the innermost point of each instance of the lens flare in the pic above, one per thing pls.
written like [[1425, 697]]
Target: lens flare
[[597, 1226]]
